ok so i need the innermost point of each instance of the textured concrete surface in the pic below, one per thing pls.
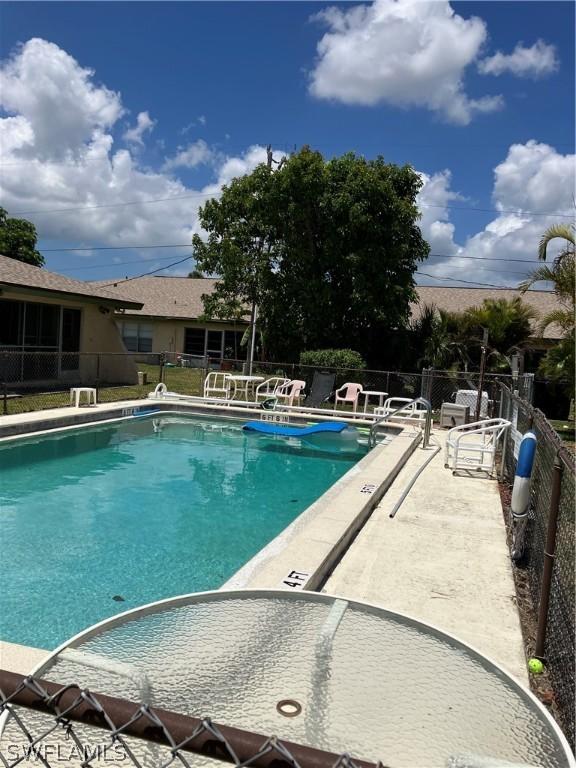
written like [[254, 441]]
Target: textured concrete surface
[[443, 560], [20, 658]]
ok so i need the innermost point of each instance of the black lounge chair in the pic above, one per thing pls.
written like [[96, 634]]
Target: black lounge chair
[[321, 389]]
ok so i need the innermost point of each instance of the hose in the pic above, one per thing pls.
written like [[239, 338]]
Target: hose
[[417, 474]]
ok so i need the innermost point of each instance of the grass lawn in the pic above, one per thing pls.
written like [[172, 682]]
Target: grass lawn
[[567, 431], [186, 381]]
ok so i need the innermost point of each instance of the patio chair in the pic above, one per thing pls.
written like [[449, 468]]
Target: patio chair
[[291, 392], [473, 446], [267, 389], [321, 389], [348, 394], [217, 384], [405, 408]]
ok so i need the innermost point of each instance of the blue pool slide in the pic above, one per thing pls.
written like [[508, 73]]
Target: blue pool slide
[[270, 428]]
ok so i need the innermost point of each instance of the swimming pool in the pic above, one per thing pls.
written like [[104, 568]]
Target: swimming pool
[[97, 520]]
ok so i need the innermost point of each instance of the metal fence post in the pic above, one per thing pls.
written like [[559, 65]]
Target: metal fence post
[[97, 382], [549, 549]]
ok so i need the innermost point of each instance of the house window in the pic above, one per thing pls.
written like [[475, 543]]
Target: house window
[[11, 314], [194, 341], [137, 337], [41, 325], [70, 338], [233, 345], [214, 344]]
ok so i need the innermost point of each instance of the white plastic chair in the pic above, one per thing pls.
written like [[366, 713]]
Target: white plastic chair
[[473, 446], [405, 407], [291, 392], [348, 394], [269, 387], [217, 384]]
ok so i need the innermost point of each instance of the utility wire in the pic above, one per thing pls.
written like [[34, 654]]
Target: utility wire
[[188, 245], [144, 274], [214, 194], [143, 261], [470, 282]]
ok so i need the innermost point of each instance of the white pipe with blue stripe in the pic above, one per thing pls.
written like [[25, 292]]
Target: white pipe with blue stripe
[[521, 488]]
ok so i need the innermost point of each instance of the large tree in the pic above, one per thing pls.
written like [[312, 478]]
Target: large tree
[[18, 240], [327, 249]]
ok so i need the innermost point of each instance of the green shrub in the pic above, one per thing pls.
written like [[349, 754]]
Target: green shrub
[[333, 358]]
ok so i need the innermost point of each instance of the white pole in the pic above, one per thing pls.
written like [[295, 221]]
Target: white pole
[[252, 338]]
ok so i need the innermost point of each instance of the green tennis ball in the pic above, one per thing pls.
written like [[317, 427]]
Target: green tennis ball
[[535, 666]]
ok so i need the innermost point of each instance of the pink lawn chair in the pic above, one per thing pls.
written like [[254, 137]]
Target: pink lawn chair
[[290, 392], [348, 394]]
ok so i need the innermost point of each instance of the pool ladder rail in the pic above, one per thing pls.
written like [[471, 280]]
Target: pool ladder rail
[[427, 423]]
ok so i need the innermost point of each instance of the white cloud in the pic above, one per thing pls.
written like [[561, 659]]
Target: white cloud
[[401, 52], [537, 61], [533, 179], [45, 86], [59, 152], [433, 201], [200, 120], [143, 123], [197, 153]]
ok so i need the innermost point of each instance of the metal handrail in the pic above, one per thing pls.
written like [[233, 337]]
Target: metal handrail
[[427, 423]]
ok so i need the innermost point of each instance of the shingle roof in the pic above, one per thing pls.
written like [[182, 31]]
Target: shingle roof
[[459, 299], [21, 275], [175, 297], [181, 298]]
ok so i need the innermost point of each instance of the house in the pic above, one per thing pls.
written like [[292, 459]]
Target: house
[[169, 319], [64, 322], [460, 299]]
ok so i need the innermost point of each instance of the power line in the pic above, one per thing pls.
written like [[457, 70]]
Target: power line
[[478, 258], [117, 264], [145, 274], [494, 210], [117, 205], [213, 194], [188, 245], [469, 282], [114, 248]]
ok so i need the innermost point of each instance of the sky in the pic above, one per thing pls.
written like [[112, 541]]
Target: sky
[[119, 119]]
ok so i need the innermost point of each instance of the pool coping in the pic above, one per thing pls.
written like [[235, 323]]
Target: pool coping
[[50, 420]]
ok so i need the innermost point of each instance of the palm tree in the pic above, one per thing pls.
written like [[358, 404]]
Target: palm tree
[[509, 326], [433, 334], [560, 274], [564, 231], [558, 364]]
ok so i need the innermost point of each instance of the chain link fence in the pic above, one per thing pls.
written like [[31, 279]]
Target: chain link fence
[[553, 599], [31, 381], [56, 725]]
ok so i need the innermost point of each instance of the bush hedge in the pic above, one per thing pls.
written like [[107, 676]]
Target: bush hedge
[[333, 358]]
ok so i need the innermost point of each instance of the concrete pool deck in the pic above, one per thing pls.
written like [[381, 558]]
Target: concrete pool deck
[[443, 559]]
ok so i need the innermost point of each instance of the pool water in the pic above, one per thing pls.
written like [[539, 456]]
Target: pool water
[[98, 520]]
